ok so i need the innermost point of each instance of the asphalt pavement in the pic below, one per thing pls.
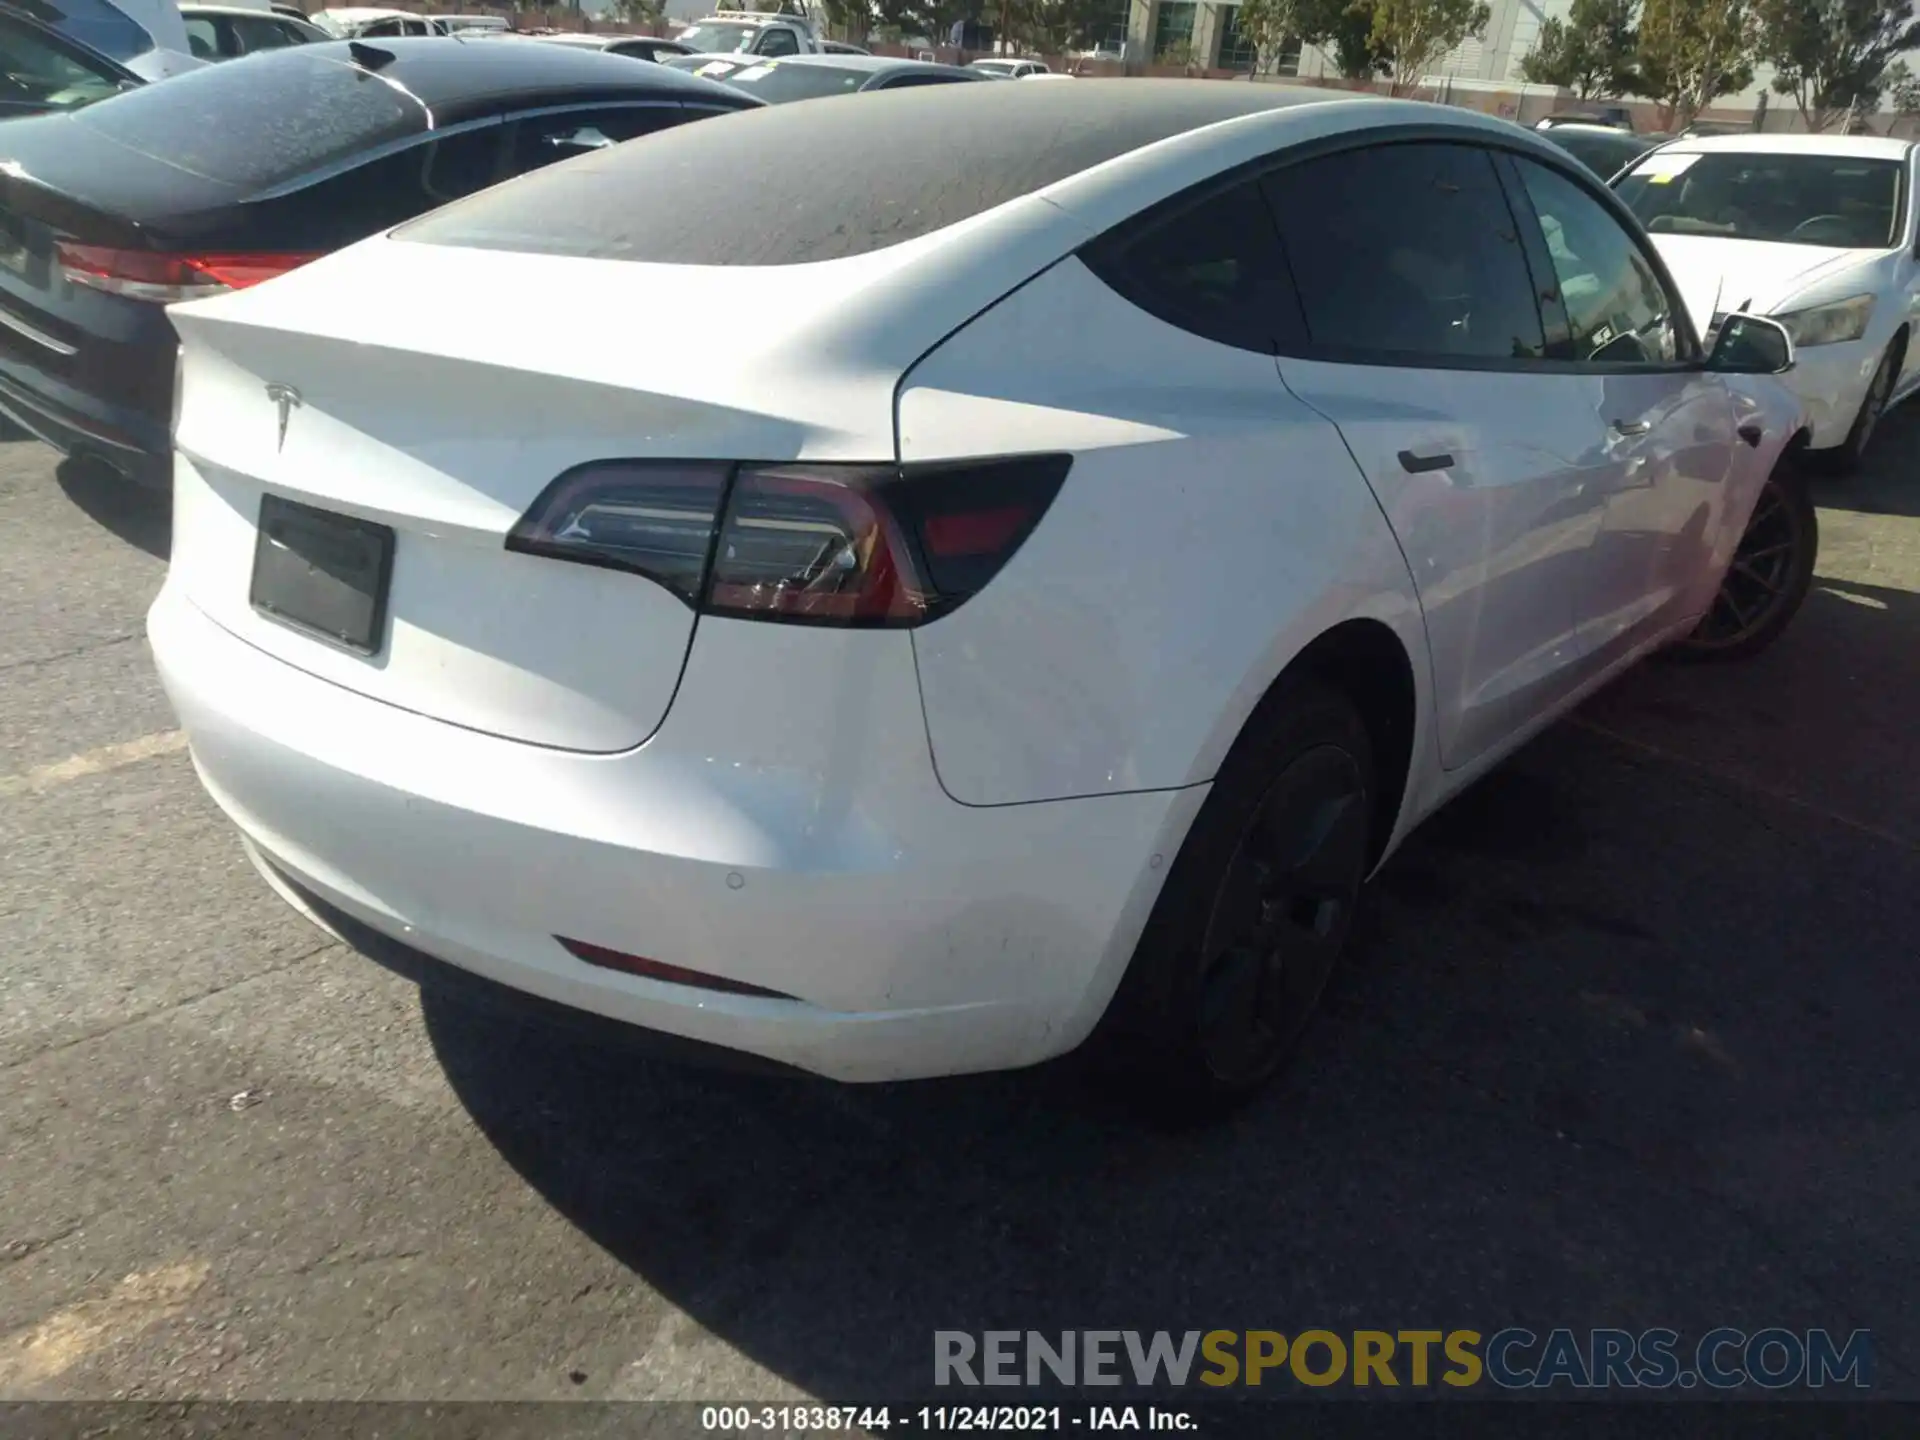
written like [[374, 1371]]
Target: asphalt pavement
[[1627, 1040]]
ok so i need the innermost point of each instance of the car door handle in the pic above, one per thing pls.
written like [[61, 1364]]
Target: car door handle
[[1420, 464], [1632, 427]]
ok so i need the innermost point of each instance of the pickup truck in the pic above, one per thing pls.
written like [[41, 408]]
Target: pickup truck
[[752, 32]]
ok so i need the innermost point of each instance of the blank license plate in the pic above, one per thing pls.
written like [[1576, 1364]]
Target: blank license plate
[[323, 573]]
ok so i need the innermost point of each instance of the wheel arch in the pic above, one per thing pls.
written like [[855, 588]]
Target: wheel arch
[[1365, 660]]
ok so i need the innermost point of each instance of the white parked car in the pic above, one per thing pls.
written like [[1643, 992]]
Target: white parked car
[[1817, 231], [766, 33], [1009, 67], [1047, 612], [225, 32], [366, 22]]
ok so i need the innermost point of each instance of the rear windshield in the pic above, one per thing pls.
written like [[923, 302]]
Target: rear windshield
[[1833, 200], [255, 124], [774, 185], [776, 84], [94, 23]]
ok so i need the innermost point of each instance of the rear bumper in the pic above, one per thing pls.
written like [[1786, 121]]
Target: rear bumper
[[75, 422], [803, 846]]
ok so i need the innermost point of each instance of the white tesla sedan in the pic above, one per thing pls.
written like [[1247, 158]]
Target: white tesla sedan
[[1817, 231], [1101, 542]]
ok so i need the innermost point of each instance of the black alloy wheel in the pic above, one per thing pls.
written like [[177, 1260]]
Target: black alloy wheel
[[1281, 915], [1256, 908], [1771, 573]]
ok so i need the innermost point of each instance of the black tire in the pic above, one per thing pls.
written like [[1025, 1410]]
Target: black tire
[[1770, 575], [1851, 453], [1225, 978]]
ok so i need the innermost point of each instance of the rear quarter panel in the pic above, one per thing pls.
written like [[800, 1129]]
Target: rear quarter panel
[[1211, 528]]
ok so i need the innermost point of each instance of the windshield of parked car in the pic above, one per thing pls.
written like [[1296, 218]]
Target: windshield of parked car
[[94, 23], [1843, 201], [718, 37], [776, 84], [279, 116], [40, 72]]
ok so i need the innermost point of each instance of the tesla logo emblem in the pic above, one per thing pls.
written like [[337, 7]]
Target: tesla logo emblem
[[287, 399]]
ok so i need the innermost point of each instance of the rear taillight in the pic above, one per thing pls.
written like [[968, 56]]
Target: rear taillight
[[819, 545], [848, 545], [164, 277], [654, 519]]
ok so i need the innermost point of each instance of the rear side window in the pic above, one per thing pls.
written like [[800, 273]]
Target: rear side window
[[203, 38], [542, 139], [778, 41], [381, 193], [1407, 253], [1213, 267], [261, 33], [277, 117], [43, 74], [95, 24]]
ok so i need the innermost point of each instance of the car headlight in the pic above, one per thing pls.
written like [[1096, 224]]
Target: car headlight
[[1829, 324]]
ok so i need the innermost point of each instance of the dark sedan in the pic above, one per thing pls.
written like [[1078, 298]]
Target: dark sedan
[[1604, 150], [42, 70], [232, 174], [813, 77], [634, 47]]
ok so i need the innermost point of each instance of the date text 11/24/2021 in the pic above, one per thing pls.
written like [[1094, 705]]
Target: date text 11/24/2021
[[880, 1419]]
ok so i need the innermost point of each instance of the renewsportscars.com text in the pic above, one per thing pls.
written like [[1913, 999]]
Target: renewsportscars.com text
[[1512, 1359]]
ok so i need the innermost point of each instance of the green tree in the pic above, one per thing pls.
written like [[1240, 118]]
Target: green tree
[[1270, 26], [1591, 52], [637, 12], [1416, 33], [1342, 28], [852, 18], [1056, 26], [1692, 52], [1903, 89], [1833, 55]]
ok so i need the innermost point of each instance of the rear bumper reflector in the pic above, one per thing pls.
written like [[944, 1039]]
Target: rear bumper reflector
[[607, 959]]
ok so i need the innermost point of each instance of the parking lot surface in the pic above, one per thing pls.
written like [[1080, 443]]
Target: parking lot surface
[[1628, 1040]]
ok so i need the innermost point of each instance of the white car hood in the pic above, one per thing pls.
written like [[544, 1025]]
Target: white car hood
[[1717, 276]]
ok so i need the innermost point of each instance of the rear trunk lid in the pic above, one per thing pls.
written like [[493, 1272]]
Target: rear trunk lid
[[61, 180], [439, 391]]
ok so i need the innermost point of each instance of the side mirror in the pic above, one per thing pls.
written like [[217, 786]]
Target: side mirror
[[1751, 345]]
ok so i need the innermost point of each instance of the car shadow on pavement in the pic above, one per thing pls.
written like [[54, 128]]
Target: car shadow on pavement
[[1625, 1040], [141, 516]]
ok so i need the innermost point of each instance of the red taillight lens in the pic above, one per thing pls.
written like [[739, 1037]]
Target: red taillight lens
[[848, 545], [815, 544], [859, 545], [163, 277], [655, 518]]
